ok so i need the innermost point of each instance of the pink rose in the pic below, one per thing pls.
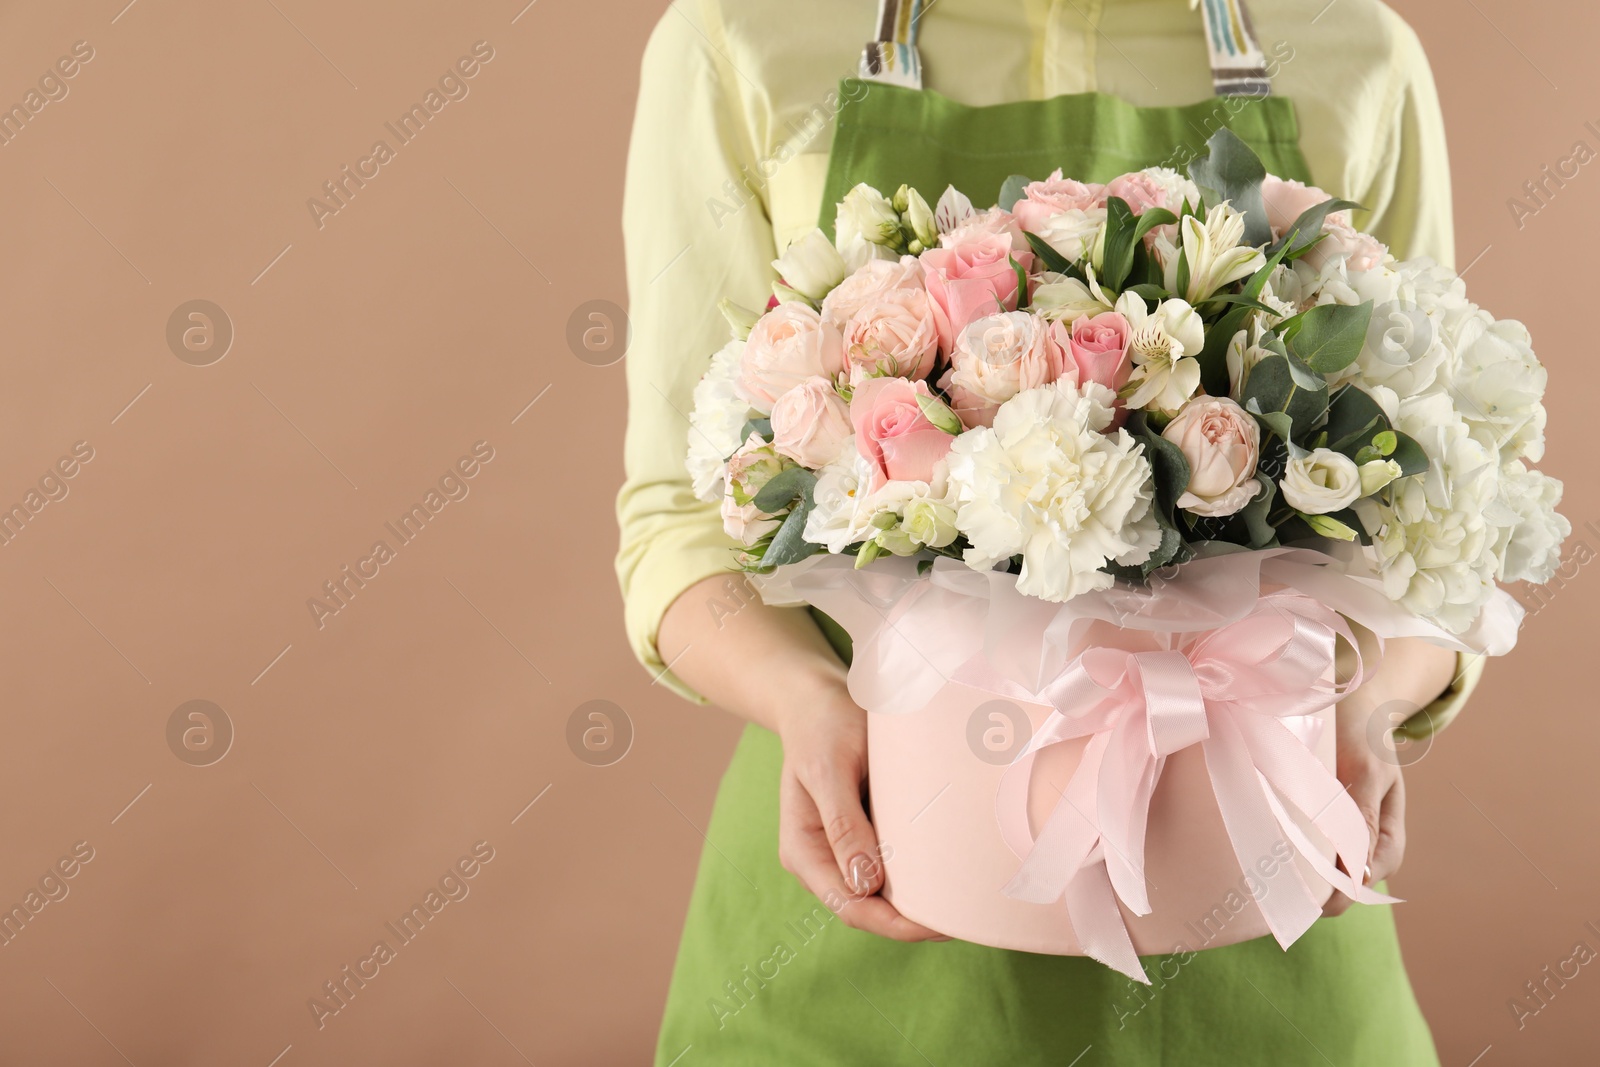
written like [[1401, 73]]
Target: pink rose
[[786, 346], [997, 357], [969, 280], [993, 222], [1286, 200], [876, 278], [1221, 442], [1054, 195], [1141, 191], [893, 434], [1361, 251], [1099, 349], [810, 423], [893, 335]]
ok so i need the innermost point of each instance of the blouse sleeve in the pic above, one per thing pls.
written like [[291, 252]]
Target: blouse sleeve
[[685, 251], [1408, 196], [1411, 211]]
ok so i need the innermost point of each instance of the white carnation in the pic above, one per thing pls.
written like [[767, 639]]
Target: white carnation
[[1045, 482], [716, 423]]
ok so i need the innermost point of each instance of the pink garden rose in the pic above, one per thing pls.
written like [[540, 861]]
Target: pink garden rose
[[1287, 199], [872, 281], [810, 423], [1053, 196], [1222, 443], [893, 434], [749, 469], [999, 356], [786, 346], [1360, 251], [991, 222], [893, 335], [969, 280], [1142, 191]]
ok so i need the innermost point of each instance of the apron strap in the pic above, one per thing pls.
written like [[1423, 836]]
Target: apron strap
[[1238, 67], [892, 56]]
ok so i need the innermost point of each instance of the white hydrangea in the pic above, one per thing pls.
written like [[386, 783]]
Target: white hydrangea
[[715, 423], [1045, 483], [1498, 385], [1529, 531]]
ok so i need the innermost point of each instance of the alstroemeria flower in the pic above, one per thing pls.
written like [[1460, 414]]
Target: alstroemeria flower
[[1163, 346], [1214, 253]]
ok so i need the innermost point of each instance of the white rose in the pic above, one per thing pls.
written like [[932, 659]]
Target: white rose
[[716, 423], [810, 266], [1073, 232], [1045, 482], [997, 357], [1320, 481]]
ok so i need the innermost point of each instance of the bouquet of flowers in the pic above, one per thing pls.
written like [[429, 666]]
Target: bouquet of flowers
[[1077, 392]]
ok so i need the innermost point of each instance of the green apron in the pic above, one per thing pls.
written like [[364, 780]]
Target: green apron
[[766, 975]]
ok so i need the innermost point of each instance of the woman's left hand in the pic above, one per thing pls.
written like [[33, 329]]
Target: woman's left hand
[[1411, 674]]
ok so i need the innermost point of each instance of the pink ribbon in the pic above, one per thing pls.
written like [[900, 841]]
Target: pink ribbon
[[1225, 667], [1229, 690]]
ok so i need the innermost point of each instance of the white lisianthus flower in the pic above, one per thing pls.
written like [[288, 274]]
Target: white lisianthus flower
[[1061, 298], [1215, 253], [1528, 529], [810, 266], [1498, 385], [1074, 232], [910, 516], [1046, 483], [838, 518], [716, 423], [1163, 346], [919, 216], [1320, 481], [865, 224], [1377, 473]]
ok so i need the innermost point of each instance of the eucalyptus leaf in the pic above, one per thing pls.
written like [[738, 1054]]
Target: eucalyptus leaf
[[1331, 335], [789, 544], [783, 488], [1231, 171], [1011, 190], [760, 427], [1274, 386], [1353, 418], [1254, 514]]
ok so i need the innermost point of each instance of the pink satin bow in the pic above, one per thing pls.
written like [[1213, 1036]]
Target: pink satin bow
[[1234, 691]]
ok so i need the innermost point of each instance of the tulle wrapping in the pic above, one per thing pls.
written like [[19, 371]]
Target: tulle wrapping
[[1171, 786]]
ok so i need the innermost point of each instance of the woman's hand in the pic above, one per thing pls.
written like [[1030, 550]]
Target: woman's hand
[[824, 836], [1411, 673]]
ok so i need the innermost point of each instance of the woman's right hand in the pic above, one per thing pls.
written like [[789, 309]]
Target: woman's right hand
[[824, 836]]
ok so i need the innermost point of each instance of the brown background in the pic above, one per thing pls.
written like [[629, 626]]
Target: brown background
[[372, 753]]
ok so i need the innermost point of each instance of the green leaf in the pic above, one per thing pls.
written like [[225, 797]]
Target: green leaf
[[1011, 190], [1275, 385], [1330, 336], [1124, 233], [760, 427], [1307, 229], [1053, 261], [788, 544], [1213, 356], [1409, 454], [1240, 300], [1254, 514], [1022, 284], [1148, 292], [778, 493], [1353, 417], [1231, 171]]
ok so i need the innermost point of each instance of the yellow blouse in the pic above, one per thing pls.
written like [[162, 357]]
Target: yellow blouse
[[730, 148]]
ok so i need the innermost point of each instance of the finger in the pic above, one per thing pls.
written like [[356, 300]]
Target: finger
[[837, 797], [1391, 846], [804, 849], [1364, 790]]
